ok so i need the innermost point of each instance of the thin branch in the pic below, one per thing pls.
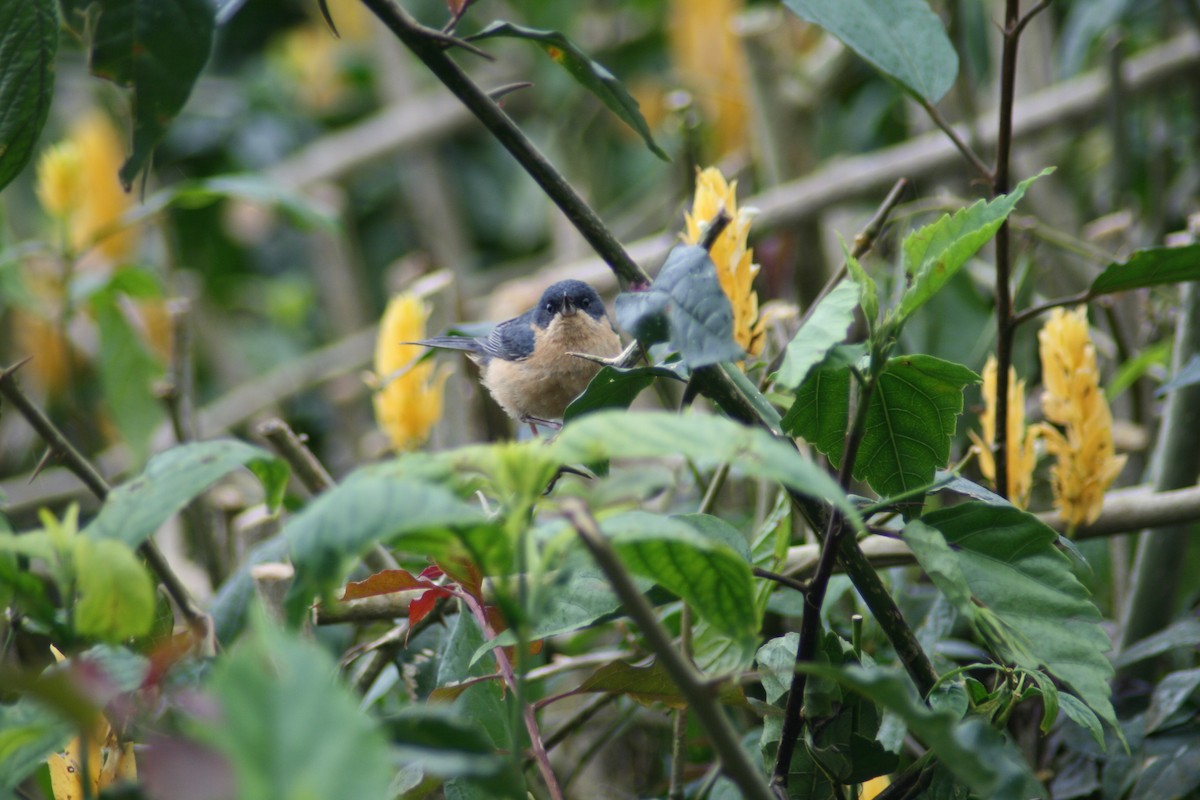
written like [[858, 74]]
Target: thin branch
[[734, 760], [83, 469], [429, 50], [1029, 15], [1034, 311], [968, 153], [782, 580], [580, 718]]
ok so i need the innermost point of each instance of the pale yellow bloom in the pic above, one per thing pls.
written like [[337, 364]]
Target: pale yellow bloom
[[1082, 442], [409, 402], [108, 759], [734, 260], [1019, 445], [105, 200], [874, 787], [708, 57], [60, 179]]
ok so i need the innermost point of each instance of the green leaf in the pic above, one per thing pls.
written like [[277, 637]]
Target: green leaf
[[445, 745], [1184, 633], [371, 505], [290, 729], [649, 684], [687, 294], [1173, 774], [128, 372], [1016, 572], [29, 733], [172, 479], [116, 594], [156, 48], [1169, 696], [713, 578], [827, 326], [911, 419], [615, 387], [1188, 375], [706, 439], [28, 43], [976, 753], [1150, 267], [940, 564], [1077, 711], [867, 286], [591, 74], [933, 254], [904, 39]]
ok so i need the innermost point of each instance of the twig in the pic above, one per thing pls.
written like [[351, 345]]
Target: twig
[[782, 580], [1035, 311], [457, 16], [315, 478], [814, 599], [425, 47], [959, 142], [734, 760], [83, 469]]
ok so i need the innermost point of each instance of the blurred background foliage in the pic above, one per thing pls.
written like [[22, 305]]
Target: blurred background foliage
[[361, 177]]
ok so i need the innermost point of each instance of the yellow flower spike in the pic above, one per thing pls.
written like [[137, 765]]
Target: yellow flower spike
[[733, 259], [105, 200], [409, 401], [60, 186], [707, 54], [1019, 446], [1082, 444]]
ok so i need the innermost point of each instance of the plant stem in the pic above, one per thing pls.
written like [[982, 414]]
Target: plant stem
[[83, 469], [425, 45], [814, 598], [506, 669], [968, 153], [735, 762]]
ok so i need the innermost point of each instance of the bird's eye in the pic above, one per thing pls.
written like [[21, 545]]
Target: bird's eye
[[583, 302], [550, 307]]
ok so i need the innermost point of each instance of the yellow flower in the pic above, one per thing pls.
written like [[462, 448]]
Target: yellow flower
[[104, 200], [707, 54], [1072, 400], [109, 760], [1021, 457], [733, 259], [60, 179], [409, 402]]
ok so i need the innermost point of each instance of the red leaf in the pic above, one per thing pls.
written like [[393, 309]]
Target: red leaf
[[421, 606], [386, 582]]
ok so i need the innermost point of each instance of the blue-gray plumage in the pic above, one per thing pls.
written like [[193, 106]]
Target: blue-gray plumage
[[525, 361]]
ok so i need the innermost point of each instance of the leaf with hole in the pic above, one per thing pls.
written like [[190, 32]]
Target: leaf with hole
[[685, 306], [591, 74], [157, 48]]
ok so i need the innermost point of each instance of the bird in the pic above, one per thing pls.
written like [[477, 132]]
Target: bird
[[530, 363]]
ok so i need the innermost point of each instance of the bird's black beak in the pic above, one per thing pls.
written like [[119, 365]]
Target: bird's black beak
[[568, 310]]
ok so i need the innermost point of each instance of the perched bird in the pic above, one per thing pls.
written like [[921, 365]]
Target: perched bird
[[527, 363]]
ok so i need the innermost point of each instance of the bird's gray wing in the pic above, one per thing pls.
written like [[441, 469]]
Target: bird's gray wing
[[510, 341]]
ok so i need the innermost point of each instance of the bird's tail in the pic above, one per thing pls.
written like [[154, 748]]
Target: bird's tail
[[466, 343]]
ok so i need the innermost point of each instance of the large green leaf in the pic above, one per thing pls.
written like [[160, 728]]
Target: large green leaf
[[976, 753], [827, 326], [290, 729], [911, 419], [116, 594], [903, 38], [28, 43], [710, 575], [933, 254], [172, 479], [1150, 267], [378, 504], [29, 733], [591, 74], [156, 48], [706, 439], [615, 387], [685, 305], [1015, 571]]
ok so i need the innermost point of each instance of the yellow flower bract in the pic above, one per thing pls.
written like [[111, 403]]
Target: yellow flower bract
[[1082, 442], [409, 402], [734, 260], [1019, 445], [60, 179]]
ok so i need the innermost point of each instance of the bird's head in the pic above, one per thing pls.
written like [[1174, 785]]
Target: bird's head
[[567, 298]]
